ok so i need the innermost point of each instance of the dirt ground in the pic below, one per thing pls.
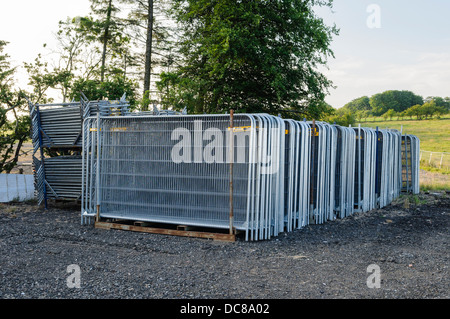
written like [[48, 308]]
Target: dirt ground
[[406, 243]]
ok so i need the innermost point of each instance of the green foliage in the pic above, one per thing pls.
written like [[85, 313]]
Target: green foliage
[[111, 89], [342, 117], [12, 132], [359, 104], [396, 100], [389, 114], [398, 103], [250, 56]]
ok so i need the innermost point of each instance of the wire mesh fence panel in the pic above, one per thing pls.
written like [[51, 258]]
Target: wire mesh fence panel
[[365, 167], [391, 167], [256, 173], [415, 159], [145, 176], [59, 127], [63, 177], [345, 171]]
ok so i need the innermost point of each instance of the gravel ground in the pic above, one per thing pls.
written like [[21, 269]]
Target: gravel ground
[[408, 241]]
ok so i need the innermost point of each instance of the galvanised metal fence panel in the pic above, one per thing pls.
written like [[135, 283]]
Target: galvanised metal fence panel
[[297, 150], [290, 185], [323, 164], [61, 125], [391, 167], [58, 126], [144, 175], [345, 171], [410, 150], [304, 150], [285, 173], [396, 166], [63, 177], [406, 163], [415, 159], [38, 159], [385, 181], [365, 164], [172, 169], [266, 213]]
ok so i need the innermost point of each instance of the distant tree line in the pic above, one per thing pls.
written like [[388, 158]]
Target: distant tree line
[[389, 105]]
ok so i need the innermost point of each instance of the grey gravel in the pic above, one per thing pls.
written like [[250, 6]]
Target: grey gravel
[[410, 245]]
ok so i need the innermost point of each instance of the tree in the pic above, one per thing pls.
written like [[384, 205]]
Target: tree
[[358, 115], [359, 104], [365, 114], [152, 33], [84, 63], [341, 116], [250, 56], [428, 109], [401, 115], [439, 101], [112, 89], [441, 110], [389, 114], [104, 31], [148, 45], [415, 110], [396, 100], [15, 129]]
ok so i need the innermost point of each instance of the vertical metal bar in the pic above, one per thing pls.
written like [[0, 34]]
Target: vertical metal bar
[[359, 167], [313, 149], [377, 188], [406, 163], [231, 171], [97, 177]]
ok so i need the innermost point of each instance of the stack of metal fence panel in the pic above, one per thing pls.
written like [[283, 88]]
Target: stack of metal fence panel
[[410, 150], [388, 182], [285, 174], [345, 171], [365, 157], [297, 160], [323, 165], [58, 127], [176, 169], [60, 124], [104, 107], [63, 177]]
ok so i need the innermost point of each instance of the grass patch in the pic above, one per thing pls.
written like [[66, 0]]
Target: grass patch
[[433, 134], [430, 187]]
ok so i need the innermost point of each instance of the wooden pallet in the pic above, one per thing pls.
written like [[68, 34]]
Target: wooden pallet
[[180, 230]]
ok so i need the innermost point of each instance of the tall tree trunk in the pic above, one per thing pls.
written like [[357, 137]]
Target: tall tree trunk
[[105, 40], [148, 51]]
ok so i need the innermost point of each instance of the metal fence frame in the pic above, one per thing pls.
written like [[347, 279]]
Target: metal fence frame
[[59, 127], [322, 171]]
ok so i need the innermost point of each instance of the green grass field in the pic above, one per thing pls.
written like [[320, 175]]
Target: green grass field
[[434, 134], [434, 138]]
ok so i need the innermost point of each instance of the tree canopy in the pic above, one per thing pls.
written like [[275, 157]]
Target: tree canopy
[[252, 56], [393, 99]]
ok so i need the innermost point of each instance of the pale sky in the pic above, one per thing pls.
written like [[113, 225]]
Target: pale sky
[[403, 46], [409, 51], [28, 24]]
